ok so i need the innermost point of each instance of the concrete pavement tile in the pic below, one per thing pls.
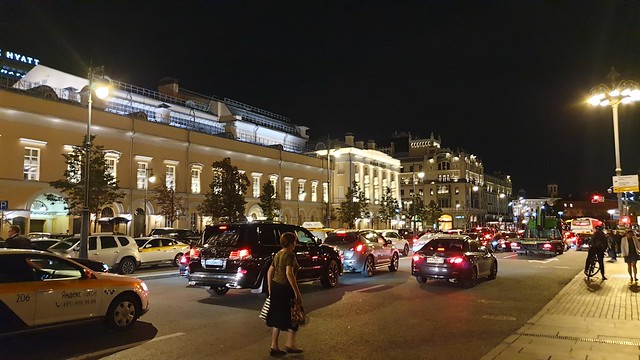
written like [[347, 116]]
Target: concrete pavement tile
[[515, 353]]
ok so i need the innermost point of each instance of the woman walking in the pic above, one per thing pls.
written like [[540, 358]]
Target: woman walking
[[630, 246], [283, 290]]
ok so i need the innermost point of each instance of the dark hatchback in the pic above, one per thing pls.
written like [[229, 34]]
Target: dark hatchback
[[455, 258], [237, 256]]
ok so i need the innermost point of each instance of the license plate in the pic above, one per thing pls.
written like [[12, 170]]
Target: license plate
[[214, 262], [437, 260]]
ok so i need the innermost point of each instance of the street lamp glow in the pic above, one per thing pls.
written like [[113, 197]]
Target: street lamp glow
[[102, 91]]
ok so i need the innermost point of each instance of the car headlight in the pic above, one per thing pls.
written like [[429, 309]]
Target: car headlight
[[144, 286]]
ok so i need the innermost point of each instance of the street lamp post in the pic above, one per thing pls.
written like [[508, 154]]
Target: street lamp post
[[625, 92], [101, 92], [415, 199], [148, 178]]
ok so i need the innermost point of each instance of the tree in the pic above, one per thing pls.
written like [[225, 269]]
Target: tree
[[227, 190], [103, 186], [171, 205], [355, 206], [431, 213], [269, 201], [388, 207]]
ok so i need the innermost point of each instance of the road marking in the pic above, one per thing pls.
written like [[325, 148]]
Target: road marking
[[562, 267], [499, 317], [369, 288], [484, 301], [510, 256], [544, 261], [112, 350]]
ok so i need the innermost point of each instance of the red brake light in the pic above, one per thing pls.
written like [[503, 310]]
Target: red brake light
[[194, 253], [359, 247], [514, 244], [241, 254], [440, 249], [547, 246], [488, 236], [184, 260], [455, 260], [416, 257], [223, 227]]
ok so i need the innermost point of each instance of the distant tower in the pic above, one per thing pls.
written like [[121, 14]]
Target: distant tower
[[552, 190]]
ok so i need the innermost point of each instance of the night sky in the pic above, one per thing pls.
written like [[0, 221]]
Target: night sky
[[506, 80]]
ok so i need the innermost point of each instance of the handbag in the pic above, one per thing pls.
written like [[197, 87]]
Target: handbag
[[265, 308], [298, 316]]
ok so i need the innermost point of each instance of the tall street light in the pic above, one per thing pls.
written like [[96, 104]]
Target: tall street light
[[148, 178], [101, 92], [415, 199], [625, 92]]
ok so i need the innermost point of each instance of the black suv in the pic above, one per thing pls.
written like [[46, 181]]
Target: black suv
[[237, 256]]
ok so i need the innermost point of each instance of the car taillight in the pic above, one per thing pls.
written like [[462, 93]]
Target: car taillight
[[184, 260], [455, 260], [241, 254], [194, 253], [359, 247], [514, 244], [487, 236], [547, 246], [417, 257]]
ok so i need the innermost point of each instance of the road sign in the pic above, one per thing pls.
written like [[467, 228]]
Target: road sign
[[625, 183], [4, 204]]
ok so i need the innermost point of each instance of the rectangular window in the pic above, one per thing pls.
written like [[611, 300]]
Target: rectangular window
[[325, 192], [141, 175], [31, 164], [314, 191], [195, 181], [274, 183], [111, 166], [171, 177], [287, 189], [256, 186]]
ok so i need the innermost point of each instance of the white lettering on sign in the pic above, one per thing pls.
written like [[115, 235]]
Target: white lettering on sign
[[19, 57]]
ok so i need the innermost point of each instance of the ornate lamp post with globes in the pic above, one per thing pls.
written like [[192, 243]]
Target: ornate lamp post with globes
[[624, 92]]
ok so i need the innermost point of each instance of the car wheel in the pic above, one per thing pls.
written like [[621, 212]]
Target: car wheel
[[123, 312], [494, 271], [218, 290], [405, 251], [395, 262], [331, 274], [421, 279], [176, 260], [367, 270], [473, 278], [127, 266]]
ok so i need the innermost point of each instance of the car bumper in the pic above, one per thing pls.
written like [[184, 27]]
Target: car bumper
[[230, 280], [352, 265], [441, 272]]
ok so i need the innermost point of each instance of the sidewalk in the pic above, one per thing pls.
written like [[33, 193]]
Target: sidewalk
[[586, 320]]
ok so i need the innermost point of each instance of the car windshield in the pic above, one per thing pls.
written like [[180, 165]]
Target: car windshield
[[446, 245], [341, 238], [64, 244]]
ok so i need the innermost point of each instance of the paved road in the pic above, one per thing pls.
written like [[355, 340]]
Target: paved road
[[387, 316]]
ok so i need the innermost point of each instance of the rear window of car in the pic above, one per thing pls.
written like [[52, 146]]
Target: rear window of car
[[344, 238], [140, 242], [225, 235], [447, 245], [123, 240]]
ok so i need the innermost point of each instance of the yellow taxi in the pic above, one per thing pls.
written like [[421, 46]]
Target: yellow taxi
[[39, 288], [157, 250]]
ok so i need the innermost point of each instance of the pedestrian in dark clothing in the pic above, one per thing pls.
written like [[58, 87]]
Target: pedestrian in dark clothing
[[611, 243], [597, 248], [283, 290], [15, 240]]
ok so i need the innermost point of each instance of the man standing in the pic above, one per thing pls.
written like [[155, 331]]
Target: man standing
[[15, 240], [613, 254]]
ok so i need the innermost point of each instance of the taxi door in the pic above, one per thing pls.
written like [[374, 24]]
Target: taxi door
[[64, 293], [18, 289], [153, 251]]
